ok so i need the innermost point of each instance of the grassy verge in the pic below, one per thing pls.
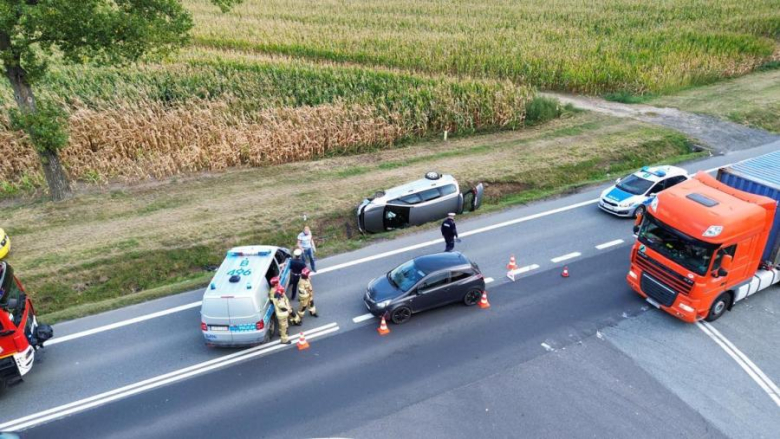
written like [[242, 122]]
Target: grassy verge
[[125, 245], [752, 100]]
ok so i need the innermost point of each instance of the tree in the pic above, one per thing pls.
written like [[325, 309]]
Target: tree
[[34, 33]]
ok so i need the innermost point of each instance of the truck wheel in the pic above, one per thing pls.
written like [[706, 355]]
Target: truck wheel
[[719, 306]]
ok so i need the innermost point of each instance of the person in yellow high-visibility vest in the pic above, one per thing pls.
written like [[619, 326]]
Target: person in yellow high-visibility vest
[[305, 296], [282, 309]]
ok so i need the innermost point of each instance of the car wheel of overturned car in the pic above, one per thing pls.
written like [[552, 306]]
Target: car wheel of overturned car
[[719, 306], [401, 315], [472, 297]]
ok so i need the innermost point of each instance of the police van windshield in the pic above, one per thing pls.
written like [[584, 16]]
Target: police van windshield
[[634, 185], [405, 276], [687, 251]]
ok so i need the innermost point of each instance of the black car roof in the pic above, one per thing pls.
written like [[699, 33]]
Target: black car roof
[[438, 261]]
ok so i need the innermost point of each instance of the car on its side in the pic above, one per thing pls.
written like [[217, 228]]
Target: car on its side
[[424, 283], [628, 196], [412, 204], [5, 244]]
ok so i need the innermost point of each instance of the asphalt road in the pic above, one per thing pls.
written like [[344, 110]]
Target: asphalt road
[[451, 372]]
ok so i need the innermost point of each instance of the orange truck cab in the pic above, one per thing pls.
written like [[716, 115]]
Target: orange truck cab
[[20, 333], [708, 243]]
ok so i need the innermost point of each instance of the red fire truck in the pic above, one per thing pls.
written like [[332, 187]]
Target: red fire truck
[[20, 333]]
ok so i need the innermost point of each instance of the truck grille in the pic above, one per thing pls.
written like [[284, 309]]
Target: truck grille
[[673, 280], [657, 291]]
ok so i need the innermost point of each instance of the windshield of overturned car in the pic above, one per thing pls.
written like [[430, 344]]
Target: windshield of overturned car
[[685, 250]]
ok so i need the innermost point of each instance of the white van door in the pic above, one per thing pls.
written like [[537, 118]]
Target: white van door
[[216, 315]]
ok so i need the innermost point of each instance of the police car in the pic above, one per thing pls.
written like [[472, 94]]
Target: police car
[[628, 196]]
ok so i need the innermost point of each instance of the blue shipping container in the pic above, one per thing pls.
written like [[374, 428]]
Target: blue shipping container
[[760, 176]]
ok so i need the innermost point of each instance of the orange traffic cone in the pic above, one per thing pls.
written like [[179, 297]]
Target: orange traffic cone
[[302, 343], [483, 303], [565, 272], [512, 265], [383, 329]]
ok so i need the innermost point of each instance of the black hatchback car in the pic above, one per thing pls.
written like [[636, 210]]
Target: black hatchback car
[[423, 283]]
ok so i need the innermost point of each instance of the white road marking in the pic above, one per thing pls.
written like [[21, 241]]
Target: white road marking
[[328, 269], [99, 329], [489, 280], [743, 361], [565, 257], [525, 269], [159, 381], [462, 235], [609, 244], [363, 318]]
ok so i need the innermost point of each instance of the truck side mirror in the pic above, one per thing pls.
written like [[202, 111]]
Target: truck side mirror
[[725, 262], [638, 219]]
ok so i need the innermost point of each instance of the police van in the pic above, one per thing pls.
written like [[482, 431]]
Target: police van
[[236, 310]]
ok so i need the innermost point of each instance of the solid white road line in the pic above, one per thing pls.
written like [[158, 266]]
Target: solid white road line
[[152, 383], [462, 235], [363, 318], [325, 270], [565, 257], [99, 329], [609, 244], [743, 361], [489, 280], [525, 269]]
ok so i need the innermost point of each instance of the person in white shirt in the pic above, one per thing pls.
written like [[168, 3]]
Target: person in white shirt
[[306, 243]]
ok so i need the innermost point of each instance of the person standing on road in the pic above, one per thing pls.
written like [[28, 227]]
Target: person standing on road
[[305, 297], [306, 243], [449, 232], [297, 266], [282, 309]]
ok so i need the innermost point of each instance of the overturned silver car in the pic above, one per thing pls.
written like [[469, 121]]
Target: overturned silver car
[[428, 199]]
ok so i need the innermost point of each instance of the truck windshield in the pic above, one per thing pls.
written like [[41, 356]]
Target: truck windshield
[[8, 288], [634, 185], [685, 250]]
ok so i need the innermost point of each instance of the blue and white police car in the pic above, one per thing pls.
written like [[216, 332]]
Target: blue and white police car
[[627, 197]]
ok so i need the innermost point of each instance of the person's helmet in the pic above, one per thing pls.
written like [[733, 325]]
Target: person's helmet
[[305, 273], [297, 253], [279, 289], [274, 281]]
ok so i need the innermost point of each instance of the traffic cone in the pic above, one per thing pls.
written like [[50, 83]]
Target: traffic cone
[[483, 303], [565, 272], [302, 343], [512, 265], [383, 329]]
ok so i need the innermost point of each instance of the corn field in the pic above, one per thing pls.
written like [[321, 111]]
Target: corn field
[[587, 46], [211, 114]]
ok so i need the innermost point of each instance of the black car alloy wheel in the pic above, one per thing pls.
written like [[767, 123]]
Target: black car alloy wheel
[[401, 315], [472, 297]]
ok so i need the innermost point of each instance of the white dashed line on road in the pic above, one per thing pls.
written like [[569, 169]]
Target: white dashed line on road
[[565, 257], [609, 244], [370, 316], [521, 270], [743, 361], [363, 318]]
